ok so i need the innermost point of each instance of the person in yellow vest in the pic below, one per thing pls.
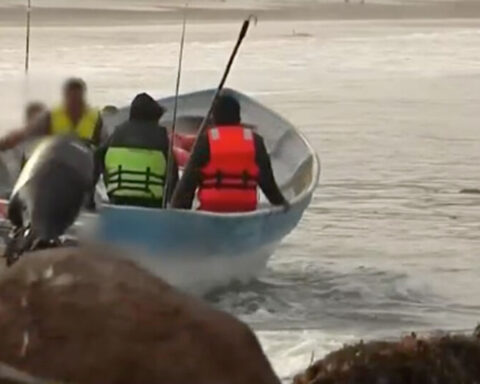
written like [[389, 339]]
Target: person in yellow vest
[[73, 117]]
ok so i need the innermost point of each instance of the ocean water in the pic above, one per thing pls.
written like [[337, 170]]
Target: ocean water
[[389, 245], [156, 4]]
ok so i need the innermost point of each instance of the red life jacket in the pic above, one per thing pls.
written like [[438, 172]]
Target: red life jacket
[[230, 179]]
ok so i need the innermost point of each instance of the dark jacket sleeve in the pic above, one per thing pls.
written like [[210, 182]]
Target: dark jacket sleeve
[[173, 181], [267, 181], [188, 184], [99, 134]]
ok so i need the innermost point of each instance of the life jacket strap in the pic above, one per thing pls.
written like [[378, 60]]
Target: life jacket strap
[[221, 180], [123, 180]]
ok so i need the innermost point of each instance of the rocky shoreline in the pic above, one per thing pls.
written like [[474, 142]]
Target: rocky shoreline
[[443, 359], [87, 316]]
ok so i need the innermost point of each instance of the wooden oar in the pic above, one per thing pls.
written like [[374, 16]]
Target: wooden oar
[[206, 119], [170, 160]]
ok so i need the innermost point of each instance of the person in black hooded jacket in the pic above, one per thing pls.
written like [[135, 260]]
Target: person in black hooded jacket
[[134, 160]]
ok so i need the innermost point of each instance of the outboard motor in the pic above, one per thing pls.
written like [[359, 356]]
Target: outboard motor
[[49, 194]]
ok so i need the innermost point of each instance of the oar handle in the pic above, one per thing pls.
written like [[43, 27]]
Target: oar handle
[[246, 25]]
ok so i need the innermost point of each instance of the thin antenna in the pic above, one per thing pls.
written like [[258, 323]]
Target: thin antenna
[[27, 42], [175, 109]]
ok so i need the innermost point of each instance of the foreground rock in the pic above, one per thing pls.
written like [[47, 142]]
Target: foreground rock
[[437, 360], [79, 317]]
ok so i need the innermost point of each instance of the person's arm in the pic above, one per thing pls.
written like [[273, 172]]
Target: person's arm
[[267, 181], [100, 154], [100, 134], [12, 139], [16, 137], [185, 192]]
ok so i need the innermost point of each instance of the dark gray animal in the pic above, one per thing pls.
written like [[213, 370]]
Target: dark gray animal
[[49, 193]]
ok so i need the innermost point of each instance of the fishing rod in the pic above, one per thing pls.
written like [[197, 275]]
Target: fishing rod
[[206, 119], [27, 37], [170, 160]]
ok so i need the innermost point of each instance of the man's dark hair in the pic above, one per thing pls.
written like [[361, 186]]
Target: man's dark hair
[[110, 109], [74, 84], [226, 111], [33, 108]]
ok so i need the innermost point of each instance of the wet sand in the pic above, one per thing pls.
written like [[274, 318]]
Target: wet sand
[[146, 13]]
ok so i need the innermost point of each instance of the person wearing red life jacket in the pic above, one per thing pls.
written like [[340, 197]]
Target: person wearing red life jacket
[[230, 163]]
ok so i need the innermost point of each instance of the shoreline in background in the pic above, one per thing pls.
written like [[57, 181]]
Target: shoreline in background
[[58, 16]]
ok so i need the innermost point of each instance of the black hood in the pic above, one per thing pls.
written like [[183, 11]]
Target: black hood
[[145, 108]]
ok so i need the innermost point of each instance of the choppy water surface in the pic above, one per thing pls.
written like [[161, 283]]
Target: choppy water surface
[[388, 245]]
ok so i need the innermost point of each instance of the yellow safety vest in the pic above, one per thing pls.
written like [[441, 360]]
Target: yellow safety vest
[[135, 172], [61, 123]]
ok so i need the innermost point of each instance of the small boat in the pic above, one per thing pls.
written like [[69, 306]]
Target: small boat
[[200, 250], [196, 250]]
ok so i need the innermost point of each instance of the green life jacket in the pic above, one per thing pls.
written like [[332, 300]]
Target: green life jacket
[[136, 173]]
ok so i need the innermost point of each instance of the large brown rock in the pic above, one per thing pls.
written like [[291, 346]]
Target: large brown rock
[[78, 316], [436, 360]]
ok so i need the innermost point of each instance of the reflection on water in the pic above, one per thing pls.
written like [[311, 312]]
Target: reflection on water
[[388, 245]]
